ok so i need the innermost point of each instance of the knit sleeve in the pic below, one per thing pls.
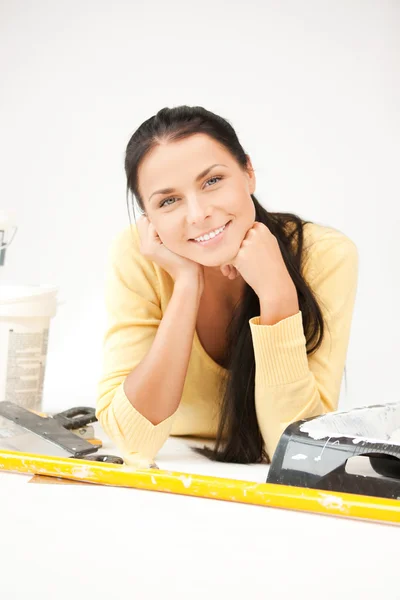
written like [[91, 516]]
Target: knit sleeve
[[289, 384], [133, 316]]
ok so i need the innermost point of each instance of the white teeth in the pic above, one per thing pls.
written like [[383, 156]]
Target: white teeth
[[210, 235]]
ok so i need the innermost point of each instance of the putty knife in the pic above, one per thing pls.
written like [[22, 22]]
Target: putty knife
[[50, 436]]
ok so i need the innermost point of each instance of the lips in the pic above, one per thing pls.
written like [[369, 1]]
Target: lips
[[214, 241], [209, 231]]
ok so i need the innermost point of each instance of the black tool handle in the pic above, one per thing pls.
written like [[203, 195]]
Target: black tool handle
[[105, 458], [321, 464], [76, 417]]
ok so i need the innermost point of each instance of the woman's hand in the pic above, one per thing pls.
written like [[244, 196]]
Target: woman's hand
[[229, 271], [260, 263], [177, 266]]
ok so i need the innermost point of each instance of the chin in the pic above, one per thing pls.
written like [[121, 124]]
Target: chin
[[219, 259]]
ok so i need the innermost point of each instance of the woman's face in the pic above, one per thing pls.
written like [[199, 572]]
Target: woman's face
[[194, 205]]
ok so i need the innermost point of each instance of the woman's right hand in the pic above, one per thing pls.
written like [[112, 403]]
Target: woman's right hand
[[177, 266]]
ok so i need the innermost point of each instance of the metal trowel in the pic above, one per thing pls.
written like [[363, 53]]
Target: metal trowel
[[26, 431]]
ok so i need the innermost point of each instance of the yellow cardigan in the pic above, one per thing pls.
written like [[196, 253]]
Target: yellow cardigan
[[289, 385]]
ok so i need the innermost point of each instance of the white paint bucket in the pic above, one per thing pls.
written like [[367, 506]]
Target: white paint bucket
[[25, 313]]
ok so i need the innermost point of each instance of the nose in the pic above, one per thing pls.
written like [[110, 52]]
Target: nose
[[197, 212]]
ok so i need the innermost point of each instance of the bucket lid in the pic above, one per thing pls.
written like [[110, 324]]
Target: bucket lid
[[11, 293]]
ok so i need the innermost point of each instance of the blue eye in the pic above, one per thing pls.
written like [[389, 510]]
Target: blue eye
[[163, 203]]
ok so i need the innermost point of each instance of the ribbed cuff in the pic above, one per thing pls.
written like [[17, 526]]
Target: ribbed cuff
[[132, 431], [280, 350]]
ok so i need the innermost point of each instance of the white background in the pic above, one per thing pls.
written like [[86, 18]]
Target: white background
[[312, 89]]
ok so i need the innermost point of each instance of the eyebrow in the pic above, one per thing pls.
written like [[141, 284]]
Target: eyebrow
[[200, 176]]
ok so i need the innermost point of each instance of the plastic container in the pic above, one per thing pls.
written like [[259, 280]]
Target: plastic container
[[25, 314]]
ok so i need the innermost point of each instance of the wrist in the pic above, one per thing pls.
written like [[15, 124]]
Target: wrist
[[274, 310], [189, 282]]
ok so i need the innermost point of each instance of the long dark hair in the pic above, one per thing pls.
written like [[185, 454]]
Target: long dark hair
[[239, 437]]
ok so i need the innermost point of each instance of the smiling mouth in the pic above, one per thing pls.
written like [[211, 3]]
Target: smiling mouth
[[213, 240]]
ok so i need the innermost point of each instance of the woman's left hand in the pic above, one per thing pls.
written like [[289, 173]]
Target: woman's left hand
[[260, 263]]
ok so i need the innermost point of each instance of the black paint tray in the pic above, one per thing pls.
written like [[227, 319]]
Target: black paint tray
[[356, 452]]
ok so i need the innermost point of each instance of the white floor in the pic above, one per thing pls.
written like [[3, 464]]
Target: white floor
[[73, 541]]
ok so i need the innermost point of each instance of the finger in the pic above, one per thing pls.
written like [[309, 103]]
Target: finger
[[225, 270], [235, 272], [152, 234], [232, 274], [142, 225], [142, 221]]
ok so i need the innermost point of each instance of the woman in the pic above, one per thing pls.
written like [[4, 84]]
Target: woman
[[225, 320]]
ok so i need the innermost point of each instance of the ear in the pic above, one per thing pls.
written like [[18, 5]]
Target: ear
[[251, 175]]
